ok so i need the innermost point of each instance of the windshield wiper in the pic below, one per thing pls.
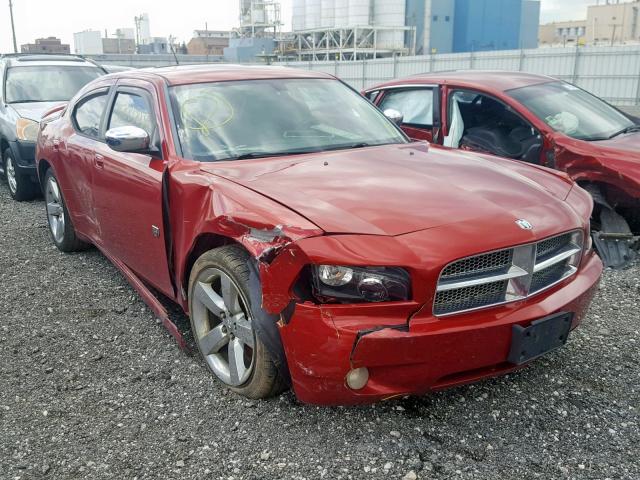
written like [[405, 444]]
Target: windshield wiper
[[351, 146], [248, 155], [630, 129]]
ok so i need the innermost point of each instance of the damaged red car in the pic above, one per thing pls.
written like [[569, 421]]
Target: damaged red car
[[538, 120], [310, 242]]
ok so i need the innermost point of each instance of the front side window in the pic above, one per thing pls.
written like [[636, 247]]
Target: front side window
[[260, 118], [45, 83], [416, 105], [88, 114], [572, 111], [131, 110]]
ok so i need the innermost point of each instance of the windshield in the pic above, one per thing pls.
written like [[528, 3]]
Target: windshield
[[259, 118], [46, 83], [572, 111]]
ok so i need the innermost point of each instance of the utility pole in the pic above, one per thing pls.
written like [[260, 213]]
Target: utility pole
[[13, 28]]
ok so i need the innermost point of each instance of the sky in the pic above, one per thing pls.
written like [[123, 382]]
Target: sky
[[61, 18]]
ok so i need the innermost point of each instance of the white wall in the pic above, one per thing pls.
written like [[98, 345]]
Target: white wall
[[88, 42], [612, 73]]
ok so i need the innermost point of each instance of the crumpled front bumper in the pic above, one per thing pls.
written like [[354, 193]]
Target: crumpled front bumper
[[407, 350]]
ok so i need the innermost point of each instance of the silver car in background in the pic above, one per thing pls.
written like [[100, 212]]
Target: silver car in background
[[30, 86]]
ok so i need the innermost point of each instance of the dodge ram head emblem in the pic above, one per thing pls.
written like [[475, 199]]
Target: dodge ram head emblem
[[523, 224]]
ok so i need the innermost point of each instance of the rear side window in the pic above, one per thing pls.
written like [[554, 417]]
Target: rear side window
[[130, 110], [88, 114], [416, 105]]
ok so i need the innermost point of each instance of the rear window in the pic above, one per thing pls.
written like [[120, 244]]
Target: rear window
[[46, 83]]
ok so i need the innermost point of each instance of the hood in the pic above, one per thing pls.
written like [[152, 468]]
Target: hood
[[33, 110], [395, 189], [629, 144]]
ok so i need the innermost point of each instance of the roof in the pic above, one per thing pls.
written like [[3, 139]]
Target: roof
[[186, 74], [25, 59], [498, 80]]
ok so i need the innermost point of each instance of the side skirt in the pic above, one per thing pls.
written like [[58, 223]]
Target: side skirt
[[150, 299]]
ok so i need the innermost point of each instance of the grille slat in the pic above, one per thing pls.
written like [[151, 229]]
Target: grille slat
[[548, 276], [548, 248], [475, 283], [492, 262], [470, 297]]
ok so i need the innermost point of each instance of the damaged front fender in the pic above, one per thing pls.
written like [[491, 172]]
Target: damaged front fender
[[204, 204]]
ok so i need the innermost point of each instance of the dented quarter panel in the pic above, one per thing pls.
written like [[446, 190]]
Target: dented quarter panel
[[613, 162]]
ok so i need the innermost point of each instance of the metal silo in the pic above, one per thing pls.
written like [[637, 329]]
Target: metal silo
[[341, 13], [312, 14], [359, 13], [297, 21], [389, 13], [327, 13]]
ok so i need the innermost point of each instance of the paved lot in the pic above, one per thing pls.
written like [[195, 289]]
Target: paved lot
[[92, 387]]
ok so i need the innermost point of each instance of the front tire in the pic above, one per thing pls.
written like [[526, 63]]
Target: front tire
[[61, 227], [221, 322], [21, 187]]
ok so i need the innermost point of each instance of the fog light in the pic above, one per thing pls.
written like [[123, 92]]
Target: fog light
[[357, 378]]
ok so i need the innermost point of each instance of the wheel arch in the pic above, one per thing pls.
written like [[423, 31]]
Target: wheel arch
[[203, 243], [43, 166], [4, 144], [607, 194]]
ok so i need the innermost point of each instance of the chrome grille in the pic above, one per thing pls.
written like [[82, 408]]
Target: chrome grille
[[490, 262], [468, 298], [552, 245], [507, 275]]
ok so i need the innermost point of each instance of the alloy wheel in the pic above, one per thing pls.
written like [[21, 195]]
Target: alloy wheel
[[223, 327], [11, 175], [55, 212]]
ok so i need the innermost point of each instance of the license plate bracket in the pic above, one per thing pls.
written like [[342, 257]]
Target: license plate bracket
[[539, 338]]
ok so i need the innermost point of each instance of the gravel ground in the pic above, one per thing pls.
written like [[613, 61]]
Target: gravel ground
[[92, 387]]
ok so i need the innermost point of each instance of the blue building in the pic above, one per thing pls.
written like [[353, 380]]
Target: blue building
[[446, 26], [495, 25]]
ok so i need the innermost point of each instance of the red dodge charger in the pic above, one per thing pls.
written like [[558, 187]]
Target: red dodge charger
[[310, 242]]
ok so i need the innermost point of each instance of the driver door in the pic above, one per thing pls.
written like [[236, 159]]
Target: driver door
[[128, 190]]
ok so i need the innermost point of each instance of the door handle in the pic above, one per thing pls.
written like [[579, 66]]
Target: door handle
[[99, 159]]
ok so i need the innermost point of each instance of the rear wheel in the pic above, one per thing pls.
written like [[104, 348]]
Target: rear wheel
[[61, 227], [20, 186], [222, 324]]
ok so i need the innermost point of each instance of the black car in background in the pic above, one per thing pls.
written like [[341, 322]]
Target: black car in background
[[31, 85]]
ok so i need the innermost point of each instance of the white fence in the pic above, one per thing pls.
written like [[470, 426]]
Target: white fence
[[612, 73]]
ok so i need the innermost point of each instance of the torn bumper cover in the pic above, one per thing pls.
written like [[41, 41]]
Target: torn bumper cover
[[407, 350]]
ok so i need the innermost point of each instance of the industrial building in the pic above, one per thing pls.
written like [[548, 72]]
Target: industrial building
[[569, 33], [609, 23], [46, 45], [612, 23], [259, 33], [208, 42], [87, 42], [495, 25], [361, 29]]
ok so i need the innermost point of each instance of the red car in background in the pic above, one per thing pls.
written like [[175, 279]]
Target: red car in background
[[538, 120], [311, 243]]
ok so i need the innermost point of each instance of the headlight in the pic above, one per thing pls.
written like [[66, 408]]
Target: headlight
[[341, 284], [27, 130]]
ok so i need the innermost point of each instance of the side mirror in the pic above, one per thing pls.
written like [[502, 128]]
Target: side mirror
[[128, 139], [394, 115]]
